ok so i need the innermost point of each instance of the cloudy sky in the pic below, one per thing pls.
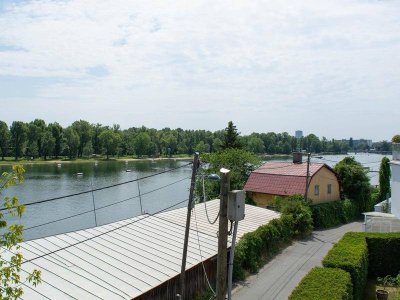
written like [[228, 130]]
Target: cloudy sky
[[327, 67]]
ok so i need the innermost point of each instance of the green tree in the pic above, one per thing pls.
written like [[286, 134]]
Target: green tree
[[396, 138], [10, 278], [110, 141], [231, 138], [41, 128], [255, 144], [142, 144], [355, 183], [240, 162], [4, 139], [57, 133], [18, 137], [384, 178], [33, 135], [84, 131], [72, 142], [48, 143]]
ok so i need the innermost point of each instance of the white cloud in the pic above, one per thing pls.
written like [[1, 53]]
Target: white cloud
[[270, 65]]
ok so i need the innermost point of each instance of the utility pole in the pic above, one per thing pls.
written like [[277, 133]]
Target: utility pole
[[189, 213], [223, 235], [308, 176]]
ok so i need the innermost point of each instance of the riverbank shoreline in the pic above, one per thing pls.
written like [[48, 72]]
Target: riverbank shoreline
[[84, 161]]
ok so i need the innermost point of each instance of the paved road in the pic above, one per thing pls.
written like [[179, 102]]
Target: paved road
[[279, 277]]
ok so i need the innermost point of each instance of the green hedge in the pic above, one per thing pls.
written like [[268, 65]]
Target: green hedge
[[351, 255], [383, 254], [331, 214], [324, 283]]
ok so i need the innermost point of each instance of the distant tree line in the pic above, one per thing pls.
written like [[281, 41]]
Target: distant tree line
[[82, 139]]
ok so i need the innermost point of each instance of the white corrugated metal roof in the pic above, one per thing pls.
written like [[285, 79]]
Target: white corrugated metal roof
[[130, 260]]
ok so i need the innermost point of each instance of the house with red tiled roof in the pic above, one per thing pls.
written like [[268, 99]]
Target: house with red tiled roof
[[289, 178]]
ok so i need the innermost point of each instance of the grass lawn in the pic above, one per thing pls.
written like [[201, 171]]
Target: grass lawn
[[369, 293]]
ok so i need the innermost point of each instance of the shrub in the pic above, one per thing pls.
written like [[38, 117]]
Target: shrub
[[324, 283], [327, 215], [257, 246], [351, 255], [383, 253]]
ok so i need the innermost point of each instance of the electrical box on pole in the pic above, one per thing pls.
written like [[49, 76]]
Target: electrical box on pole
[[236, 205]]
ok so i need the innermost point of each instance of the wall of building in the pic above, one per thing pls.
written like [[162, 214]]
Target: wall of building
[[262, 200], [322, 178], [395, 188]]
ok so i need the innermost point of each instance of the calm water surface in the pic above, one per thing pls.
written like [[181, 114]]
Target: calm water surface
[[51, 180]]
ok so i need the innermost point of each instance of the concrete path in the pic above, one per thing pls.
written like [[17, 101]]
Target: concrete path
[[280, 276]]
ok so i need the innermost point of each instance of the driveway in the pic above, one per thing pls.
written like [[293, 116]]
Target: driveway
[[278, 278]]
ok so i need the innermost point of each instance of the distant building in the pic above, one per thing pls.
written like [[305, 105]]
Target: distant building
[[298, 134], [289, 178], [358, 143]]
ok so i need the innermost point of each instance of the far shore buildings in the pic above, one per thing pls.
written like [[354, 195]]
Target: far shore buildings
[[289, 178]]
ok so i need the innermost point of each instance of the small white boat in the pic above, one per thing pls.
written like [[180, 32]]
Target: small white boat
[[128, 170], [79, 174], [59, 165]]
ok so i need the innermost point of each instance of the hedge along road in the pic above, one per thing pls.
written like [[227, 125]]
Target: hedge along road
[[278, 278]]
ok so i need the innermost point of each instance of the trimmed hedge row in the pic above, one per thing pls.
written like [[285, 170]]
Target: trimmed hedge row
[[351, 254], [360, 254], [331, 214], [383, 254], [324, 283]]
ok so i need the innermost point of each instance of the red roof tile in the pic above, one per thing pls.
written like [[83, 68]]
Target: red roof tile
[[281, 178]]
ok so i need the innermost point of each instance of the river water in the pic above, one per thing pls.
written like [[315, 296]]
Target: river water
[[44, 181]]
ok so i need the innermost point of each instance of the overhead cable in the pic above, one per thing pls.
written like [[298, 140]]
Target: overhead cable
[[101, 188]]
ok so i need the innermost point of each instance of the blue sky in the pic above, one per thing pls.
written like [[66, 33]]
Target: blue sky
[[327, 67]]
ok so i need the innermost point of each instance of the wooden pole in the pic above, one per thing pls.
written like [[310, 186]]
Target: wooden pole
[[223, 236], [189, 213]]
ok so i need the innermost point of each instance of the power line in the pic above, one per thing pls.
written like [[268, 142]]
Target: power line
[[103, 233], [101, 188], [105, 206]]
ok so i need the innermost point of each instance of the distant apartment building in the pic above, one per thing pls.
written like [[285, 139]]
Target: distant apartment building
[[298, 134], [357, 143]]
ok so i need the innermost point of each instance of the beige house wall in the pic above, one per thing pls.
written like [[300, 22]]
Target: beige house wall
[[322, 178], [262, 200]]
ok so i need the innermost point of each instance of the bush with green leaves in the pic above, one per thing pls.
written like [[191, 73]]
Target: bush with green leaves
[[351, 254], [324, 283], [330, 214], [396, 139], [254, 248], [355, 183], [11, 259]]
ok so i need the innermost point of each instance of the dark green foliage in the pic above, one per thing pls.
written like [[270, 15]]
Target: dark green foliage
[[257, 246], [324, 283], [327, 215], [231, 138], [351, 255], [384, 179], [383, 254], [239, 161], [355, 182]]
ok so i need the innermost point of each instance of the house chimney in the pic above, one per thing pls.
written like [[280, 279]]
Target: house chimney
[[297, 157]]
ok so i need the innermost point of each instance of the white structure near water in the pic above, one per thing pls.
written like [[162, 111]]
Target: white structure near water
[[379, 221], [395, 183]]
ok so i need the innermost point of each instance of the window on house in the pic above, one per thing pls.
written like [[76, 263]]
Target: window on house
[[316, 190], [329, 188]]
